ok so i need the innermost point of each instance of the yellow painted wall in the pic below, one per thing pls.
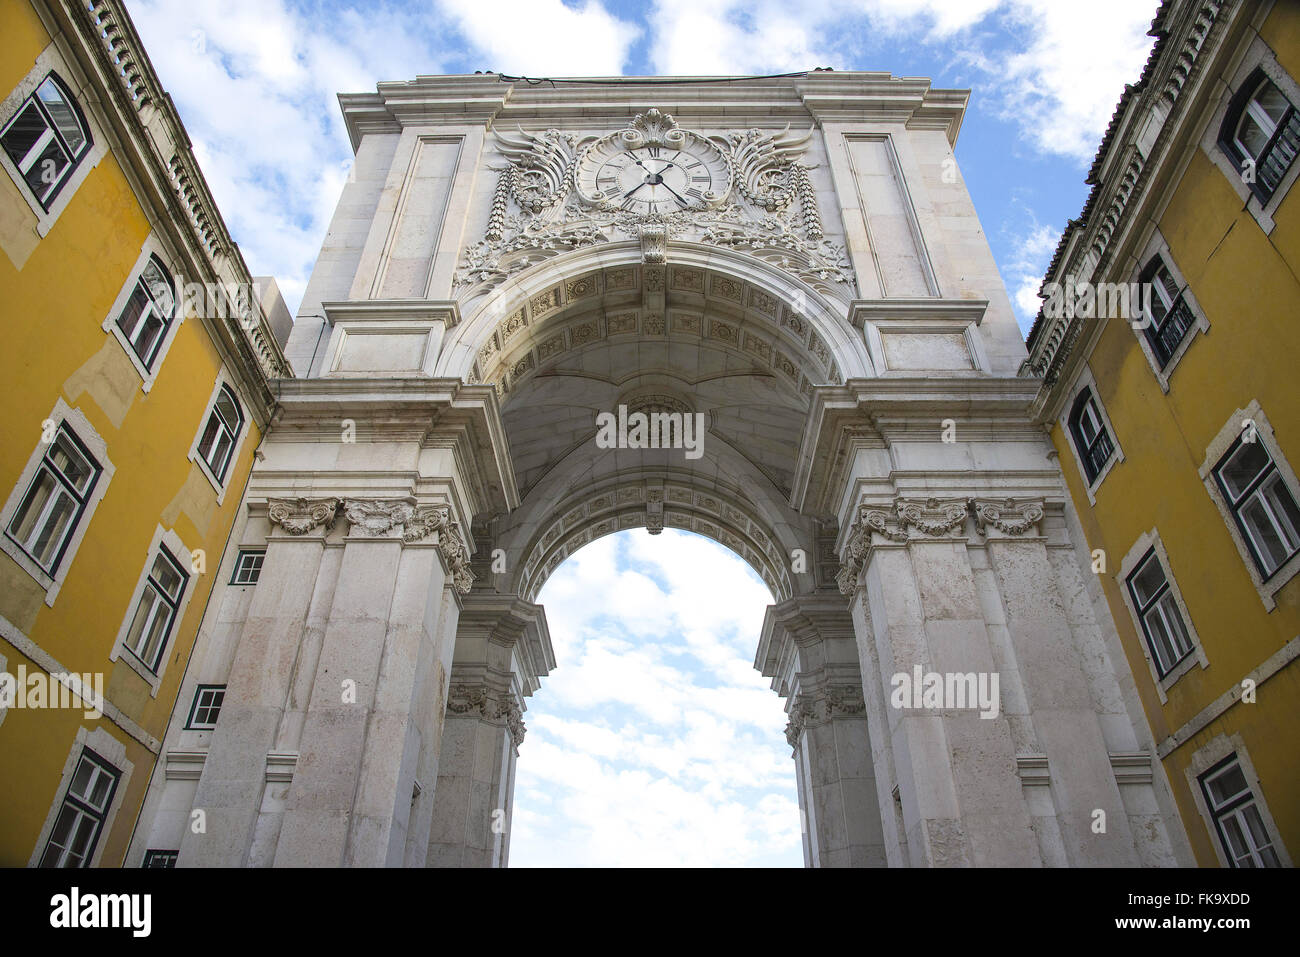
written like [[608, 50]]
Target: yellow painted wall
[[53, 309], [1246, 284]]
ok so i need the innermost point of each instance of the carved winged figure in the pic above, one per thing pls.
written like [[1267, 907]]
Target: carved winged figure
[[542, 165], [765, 165]]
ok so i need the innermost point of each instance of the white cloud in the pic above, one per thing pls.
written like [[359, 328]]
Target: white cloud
[[544, 37], [1032, 251], [1059, 85]]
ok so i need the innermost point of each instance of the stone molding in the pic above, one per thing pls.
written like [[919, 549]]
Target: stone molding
[[917, 519], [298, 516], [470, 700], [810, 709]]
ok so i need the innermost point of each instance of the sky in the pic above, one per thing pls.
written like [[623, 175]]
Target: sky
[[654, 742]]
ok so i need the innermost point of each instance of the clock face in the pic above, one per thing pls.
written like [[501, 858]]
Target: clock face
[[654, 180]]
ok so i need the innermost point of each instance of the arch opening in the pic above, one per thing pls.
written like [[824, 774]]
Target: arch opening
[[656, 743]]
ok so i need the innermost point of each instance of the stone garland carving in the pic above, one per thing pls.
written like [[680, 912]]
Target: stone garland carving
[[813, 708], [479, 699], [377, 517], [436, 519], [931, 518], [551, 216], [298, 516]]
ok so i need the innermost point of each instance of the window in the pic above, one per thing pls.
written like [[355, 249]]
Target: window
[[156, 611], [219, 434], [248, 567], [1236, 816], [1264, 508], [46, 139], [1261, 133], [207, 706], [1090, 436], [1170, 317], [158, 858], [55, 501], [1157, 610], [148, 312], [81, 818]]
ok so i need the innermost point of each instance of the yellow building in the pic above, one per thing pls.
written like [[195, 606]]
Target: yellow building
[[135, 397], [1176, 418]]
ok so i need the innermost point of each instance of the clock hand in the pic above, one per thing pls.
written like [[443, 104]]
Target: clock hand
[[634, 189], [674, 192]]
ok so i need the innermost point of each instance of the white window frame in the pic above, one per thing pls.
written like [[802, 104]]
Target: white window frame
[[240, 554], [51, 61], [1212, 753], [1157, 246], [221, 486], [151, 247], [1258, 56], [95, 444], [114, 752], [1085, 380], [162, 538], [1214, 452], [194, 707], [1147, 542]]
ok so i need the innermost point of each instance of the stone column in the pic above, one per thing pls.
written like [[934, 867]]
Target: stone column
[[234, 774], [503, 649], [1066, 724], [354, 783], [808, 648], [950, 774]]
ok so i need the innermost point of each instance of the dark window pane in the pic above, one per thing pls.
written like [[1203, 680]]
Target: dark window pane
[[23, 133]]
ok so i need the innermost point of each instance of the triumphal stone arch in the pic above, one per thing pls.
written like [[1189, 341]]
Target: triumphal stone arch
[[776, 296]]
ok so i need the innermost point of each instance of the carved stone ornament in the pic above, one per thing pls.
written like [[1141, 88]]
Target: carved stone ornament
[[436, 520], [375, 517], [813, 708], [298, 516], [488, 704], [559, 192], [1006, 515], [929, 518], [910, 518]]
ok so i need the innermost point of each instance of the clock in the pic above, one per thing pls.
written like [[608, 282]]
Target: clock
[[686, 173]]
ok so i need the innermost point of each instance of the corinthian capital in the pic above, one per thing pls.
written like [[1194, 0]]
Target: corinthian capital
[[1007, 515], [436, 520], [298, 516]]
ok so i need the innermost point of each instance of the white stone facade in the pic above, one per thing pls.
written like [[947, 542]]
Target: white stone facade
[[798, 261]]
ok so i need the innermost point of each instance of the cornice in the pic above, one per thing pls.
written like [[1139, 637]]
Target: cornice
[[494, 99], [862, 311], [434, 413], [869, 413], [154, 149], [352, 310]]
